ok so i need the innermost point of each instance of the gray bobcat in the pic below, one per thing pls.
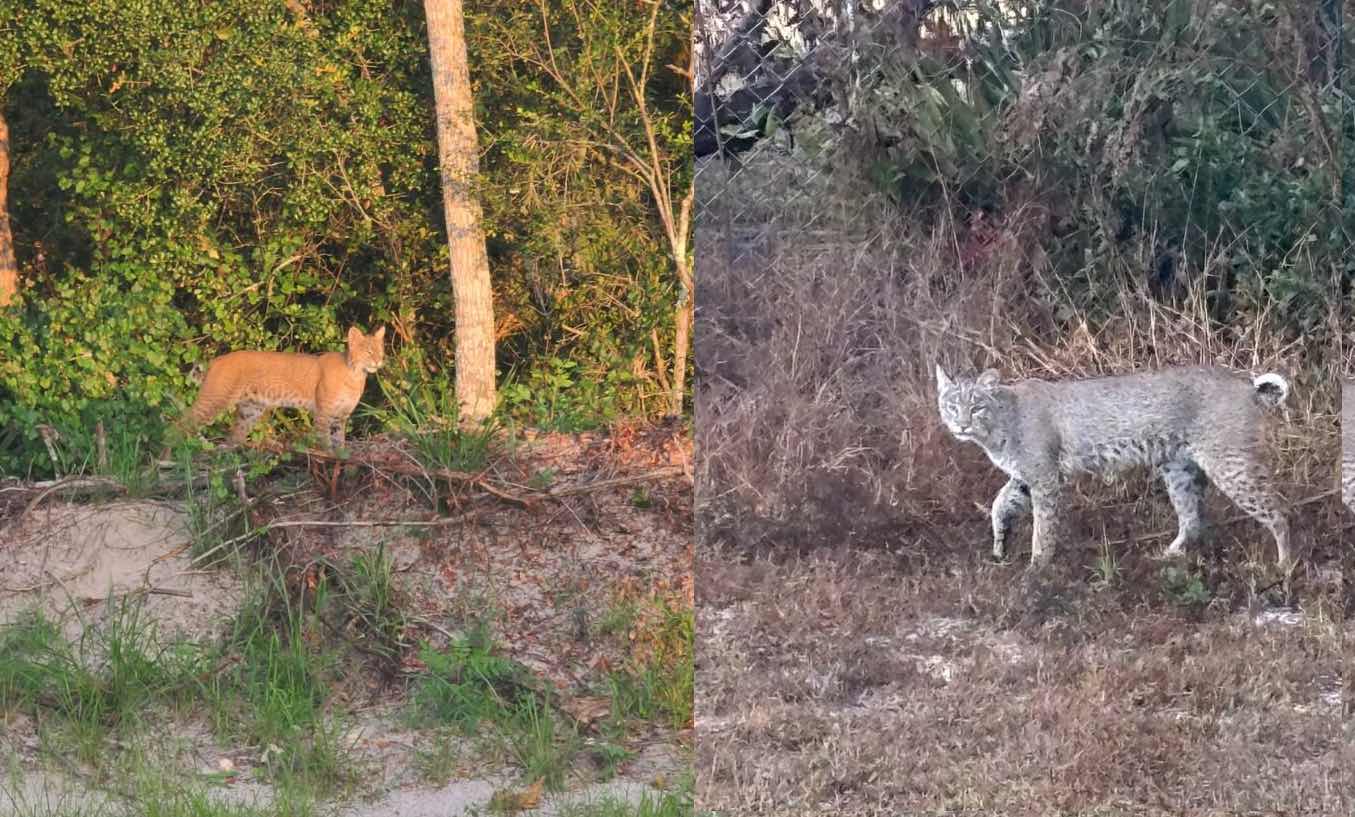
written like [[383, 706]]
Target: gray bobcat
[[1348, 444], [1188, 423]]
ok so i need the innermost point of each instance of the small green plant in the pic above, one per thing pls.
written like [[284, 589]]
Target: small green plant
[[677, 802], [558, 394], [103, 681], [32, 655], [278, 676], [468, 686], [469, 683], [609, 756], [425, 412], [365, 596], [1185, 587], [640, 498], [658, 679], [122, 452], [437, 757], [543, 479], [1106, 568], [275, 689], [534, 738], [618, 618]]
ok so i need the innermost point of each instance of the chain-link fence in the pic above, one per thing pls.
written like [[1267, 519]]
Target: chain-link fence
[[758, 65], [817, 86]]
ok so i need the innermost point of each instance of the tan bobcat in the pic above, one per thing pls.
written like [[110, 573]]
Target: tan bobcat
[[327, 385], [1188, 423]]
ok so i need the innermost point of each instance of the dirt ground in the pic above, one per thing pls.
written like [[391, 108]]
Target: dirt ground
[[604, 514], [902, 681]]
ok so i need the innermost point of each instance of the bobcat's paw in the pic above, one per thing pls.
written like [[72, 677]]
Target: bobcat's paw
[[1040, 559]]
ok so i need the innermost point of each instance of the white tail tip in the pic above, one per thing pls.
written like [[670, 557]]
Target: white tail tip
[[1264, 383]]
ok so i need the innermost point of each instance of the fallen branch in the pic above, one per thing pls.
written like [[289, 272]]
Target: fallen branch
[[75, 484], [524, 497], [140, 591], [648, 476], [368, 523], [322, 523]]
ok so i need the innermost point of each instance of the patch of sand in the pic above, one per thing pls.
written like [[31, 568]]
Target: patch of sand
[[68, 560]]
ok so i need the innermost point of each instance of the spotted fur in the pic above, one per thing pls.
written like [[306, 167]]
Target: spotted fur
[[1193, 425], [329, 386]]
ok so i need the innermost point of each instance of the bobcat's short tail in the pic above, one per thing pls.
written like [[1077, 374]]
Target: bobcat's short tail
[[1271, 389]]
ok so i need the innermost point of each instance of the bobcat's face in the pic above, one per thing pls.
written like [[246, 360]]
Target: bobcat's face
[[366, 352], [971, 408]]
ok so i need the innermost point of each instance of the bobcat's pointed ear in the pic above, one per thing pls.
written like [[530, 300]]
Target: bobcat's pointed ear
[[989, 378], [380, 334], [354, 335], [942, 382]]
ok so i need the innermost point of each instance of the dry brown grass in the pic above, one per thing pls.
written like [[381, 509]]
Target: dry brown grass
[[857, 654], [867, 684], [816, 405]]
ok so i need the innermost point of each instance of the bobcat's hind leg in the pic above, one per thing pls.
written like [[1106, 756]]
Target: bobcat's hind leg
[[247, 413], [1047, 504], [1011, 504], [1185, 483], [1248, 483]]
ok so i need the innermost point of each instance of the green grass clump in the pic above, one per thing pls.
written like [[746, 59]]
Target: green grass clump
[[658, 680], [468, 683], [470, 687], [106, 680], [675, 803], [276, 687], [425, 412]]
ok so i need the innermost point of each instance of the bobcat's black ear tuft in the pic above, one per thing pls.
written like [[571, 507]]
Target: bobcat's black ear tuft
[[989, 378]]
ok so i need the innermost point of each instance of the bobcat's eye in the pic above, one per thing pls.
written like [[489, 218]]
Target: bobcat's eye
[[979, 411]]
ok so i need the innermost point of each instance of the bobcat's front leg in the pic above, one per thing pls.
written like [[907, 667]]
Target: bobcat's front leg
[[332, 429], [1011, 503], [1046, 501]]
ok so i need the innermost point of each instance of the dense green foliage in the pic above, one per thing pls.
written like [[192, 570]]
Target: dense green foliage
[[192, 178], [1157, 143]]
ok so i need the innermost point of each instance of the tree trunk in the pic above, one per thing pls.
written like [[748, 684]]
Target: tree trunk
[[458, 156], [681, 346], [9, 265], [679, 237]]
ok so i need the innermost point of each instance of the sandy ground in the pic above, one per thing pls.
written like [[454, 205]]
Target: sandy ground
[[45, 791], [69, 559], [542, 573]]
